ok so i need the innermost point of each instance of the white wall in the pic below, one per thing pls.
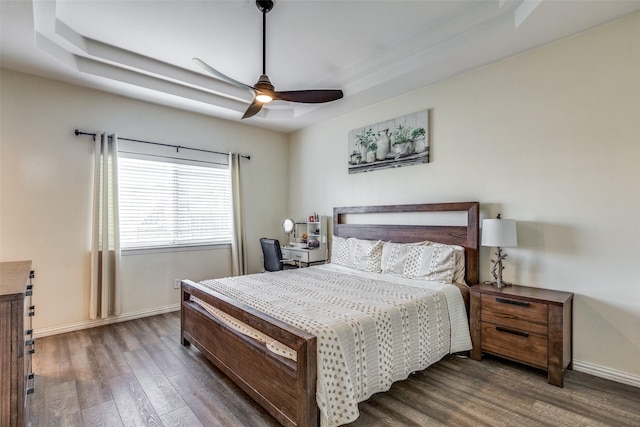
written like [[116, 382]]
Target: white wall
[[550, 138], [45, 185]]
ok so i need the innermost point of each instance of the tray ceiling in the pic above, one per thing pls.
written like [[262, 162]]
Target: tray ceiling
[[372, 50]]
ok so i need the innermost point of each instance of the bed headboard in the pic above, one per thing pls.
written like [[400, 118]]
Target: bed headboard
[[466, 236]]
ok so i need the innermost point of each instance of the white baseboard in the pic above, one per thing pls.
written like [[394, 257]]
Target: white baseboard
[[607, 373], [86, 324]]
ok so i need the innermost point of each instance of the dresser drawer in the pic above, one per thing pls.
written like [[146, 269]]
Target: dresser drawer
[[513, 313], [514, 344], [16, 341], [29, 342]]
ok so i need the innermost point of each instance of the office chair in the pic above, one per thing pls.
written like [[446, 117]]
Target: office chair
[[272, 255]]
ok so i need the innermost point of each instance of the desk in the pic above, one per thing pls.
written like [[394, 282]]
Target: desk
[[304, 255]]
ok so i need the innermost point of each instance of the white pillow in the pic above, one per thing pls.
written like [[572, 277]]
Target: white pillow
[[425, 262], [364, 255], [459, 273], [339, 250]]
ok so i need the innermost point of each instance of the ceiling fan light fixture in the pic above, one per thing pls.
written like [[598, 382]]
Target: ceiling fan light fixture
[[264, 90], [264, 98]]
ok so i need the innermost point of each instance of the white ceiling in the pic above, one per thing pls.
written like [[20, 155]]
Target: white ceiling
[[372, 50]]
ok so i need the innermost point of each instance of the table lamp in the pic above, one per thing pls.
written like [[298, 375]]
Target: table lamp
[[500, 233]]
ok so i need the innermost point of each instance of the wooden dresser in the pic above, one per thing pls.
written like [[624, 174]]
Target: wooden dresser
[[527, 325], [16, 341]]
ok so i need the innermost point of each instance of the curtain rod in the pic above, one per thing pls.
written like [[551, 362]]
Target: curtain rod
[[177, 147]]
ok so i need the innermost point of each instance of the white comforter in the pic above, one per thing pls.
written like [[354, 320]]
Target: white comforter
[[371, 329]]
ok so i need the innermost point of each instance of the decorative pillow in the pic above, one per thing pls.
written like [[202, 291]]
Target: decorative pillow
[[364, 255], [339, 251], [459, 273], [424, 262]]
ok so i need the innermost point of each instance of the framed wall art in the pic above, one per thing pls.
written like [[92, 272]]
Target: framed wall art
[[402, 141]]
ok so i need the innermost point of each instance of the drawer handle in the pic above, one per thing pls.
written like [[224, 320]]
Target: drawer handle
[[29, 332], [511, 331], [31, 378], [33, 350], [29, 342], [510, 301]]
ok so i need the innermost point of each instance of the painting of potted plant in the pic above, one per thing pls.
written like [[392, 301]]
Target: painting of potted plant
[[419, 140], [365, 138], [355, 157], [371, 152], [401, 141]]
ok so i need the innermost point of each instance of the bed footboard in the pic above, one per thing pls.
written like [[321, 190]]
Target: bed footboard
[[285, 388]]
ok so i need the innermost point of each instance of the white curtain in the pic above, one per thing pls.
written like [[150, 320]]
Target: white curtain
[[106, 294], [238, 240]]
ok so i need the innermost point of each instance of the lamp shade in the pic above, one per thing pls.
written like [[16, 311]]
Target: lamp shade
[[499, 233]]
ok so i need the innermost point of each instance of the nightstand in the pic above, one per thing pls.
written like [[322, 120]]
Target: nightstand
[[527, 325]]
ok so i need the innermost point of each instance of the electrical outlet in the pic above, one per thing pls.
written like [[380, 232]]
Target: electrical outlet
[[176, 283]]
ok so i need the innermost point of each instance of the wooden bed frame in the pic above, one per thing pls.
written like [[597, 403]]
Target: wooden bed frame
[[286, 389]]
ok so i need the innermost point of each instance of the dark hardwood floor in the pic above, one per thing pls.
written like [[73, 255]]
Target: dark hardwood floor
[[136, 373]]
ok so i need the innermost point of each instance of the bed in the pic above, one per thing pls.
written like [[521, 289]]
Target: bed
[[277, 363]]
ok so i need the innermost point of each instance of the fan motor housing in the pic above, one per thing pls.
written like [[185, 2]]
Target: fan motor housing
[[264, 6]]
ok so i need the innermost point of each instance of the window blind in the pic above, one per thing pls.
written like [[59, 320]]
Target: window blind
[[165, 203]]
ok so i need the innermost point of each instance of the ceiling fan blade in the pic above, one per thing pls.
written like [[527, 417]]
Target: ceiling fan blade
[[253, 109], [217, 74], [309, 96]]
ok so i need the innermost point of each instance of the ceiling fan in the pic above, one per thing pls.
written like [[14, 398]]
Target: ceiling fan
[[263, 91]]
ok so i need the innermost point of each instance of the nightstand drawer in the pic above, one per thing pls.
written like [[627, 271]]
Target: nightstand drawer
[[514, 313], [515, 344]]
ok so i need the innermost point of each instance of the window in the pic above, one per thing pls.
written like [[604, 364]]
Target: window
[[168, 204]]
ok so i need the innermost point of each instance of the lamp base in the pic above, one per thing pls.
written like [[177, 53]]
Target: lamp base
[[496, 270], [498, 284]]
